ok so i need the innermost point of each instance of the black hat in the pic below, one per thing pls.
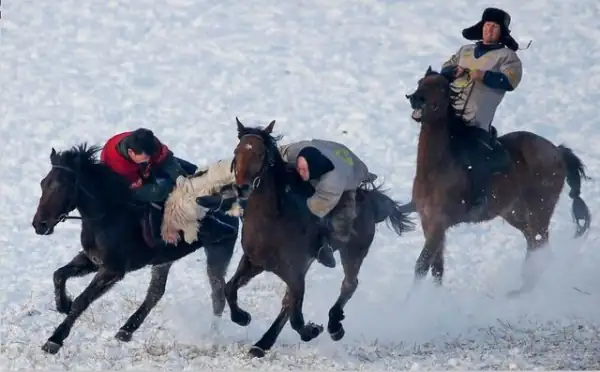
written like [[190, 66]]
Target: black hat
[[318, 164], [495, 15]]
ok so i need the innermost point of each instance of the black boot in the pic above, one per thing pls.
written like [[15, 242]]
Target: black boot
[[324, 251], [479, 189]]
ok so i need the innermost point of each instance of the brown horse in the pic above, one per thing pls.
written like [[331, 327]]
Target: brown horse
[[281, 236], [525, 193]]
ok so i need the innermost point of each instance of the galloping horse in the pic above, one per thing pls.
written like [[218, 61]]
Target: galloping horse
[[113, 240], [525, 195], [280, 235]]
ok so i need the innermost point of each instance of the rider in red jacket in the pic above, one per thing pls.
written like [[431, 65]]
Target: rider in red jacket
[[142, 159], [151, 170]]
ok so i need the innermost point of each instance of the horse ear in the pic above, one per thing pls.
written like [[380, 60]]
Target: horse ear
[[52, 154], [269, 127], [429, 70], [240, 126]]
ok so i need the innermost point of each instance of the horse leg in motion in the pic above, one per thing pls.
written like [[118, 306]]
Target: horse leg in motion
[[218, 257], [242, 276], [352, 256], [533, 211], [156, 289], [535, 230], [100, 284], [291, 308], [374, 206], [79, 266], [432, 254]]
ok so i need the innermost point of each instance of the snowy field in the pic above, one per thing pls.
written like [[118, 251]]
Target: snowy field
[[73, 71]]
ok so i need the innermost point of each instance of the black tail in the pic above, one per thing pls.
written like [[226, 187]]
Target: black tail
[[408, 208], [575, 173], [388, 209]]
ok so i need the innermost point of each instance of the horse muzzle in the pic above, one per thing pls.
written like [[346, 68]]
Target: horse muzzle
[[417, 103], [44, 227]]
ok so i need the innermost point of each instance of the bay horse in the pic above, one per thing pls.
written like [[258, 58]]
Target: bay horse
[[525, 194], [281, 236], [113, 240]]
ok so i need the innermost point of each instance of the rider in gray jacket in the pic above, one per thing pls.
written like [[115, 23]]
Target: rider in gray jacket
[[335, 172]]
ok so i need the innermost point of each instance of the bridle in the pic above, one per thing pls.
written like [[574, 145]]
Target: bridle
[[268, 161], [73, 199]]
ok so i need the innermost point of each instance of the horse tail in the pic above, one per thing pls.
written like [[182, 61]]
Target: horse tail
[[575, 173], [388, 209], [408, 208]]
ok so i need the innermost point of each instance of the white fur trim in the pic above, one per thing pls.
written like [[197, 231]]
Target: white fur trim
[[181, 212]]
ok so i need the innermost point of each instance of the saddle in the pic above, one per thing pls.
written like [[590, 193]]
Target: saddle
[[152, 218]]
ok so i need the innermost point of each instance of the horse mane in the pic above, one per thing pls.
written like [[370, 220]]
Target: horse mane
[[456, 123], [108, 185]]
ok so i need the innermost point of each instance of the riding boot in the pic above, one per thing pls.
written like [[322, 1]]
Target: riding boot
[[496, 156], [480, 179]]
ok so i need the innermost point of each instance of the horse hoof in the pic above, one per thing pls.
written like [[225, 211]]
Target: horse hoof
[[256, 352], [241, 318], [338, 335], [310, 332], [124, 335], [51, 347]]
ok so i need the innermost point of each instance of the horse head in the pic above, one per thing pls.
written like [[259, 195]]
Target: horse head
[[255, 154], [60, 187], [76, 174], [433, 97]]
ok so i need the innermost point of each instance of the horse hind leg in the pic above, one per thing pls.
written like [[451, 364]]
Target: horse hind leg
[[532, 218], [156, 289], [352, 259], [218, 257], [79, 266]]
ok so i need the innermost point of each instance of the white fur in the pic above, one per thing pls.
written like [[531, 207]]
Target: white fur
[[182, 213]]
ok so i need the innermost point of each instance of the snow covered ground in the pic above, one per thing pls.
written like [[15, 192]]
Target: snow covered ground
[[73, 71]]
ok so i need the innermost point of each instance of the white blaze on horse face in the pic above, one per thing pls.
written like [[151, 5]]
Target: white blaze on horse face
[[248, 146]]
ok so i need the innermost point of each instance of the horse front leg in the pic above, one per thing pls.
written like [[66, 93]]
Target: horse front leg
[[243, 274], [79, 266], [100, 284], [431, 254], [293, 300], [156, 290], [291, 308]]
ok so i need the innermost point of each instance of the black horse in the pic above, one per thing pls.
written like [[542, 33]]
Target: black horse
[[114, 240]]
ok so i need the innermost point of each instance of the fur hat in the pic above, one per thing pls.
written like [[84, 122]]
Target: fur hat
[[318, 164], [495, 15]]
